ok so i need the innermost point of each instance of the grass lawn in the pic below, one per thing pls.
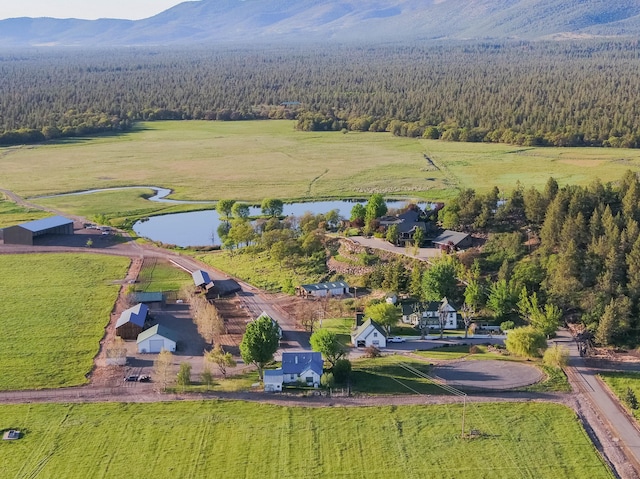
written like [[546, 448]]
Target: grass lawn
[[160, 276], [259, 270], [12, 214], [384, 375], [251, 160], [234, 440], [619, 382], [451, 352], [54, 310], [341, 327]]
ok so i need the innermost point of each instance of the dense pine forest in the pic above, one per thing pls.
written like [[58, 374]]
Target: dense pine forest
[[576, 248], [534, 93]]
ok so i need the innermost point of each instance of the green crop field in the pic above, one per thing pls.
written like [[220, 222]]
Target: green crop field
[[256, 159], [54, 311], [245, 440]]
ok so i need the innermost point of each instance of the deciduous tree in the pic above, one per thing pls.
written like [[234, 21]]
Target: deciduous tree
[[385, 314], [326, 342], [259, 343]]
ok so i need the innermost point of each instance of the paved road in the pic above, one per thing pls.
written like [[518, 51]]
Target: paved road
[[585, 380]]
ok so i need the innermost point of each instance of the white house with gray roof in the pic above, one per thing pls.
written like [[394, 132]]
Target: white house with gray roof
[[302, 367], [368, 334]]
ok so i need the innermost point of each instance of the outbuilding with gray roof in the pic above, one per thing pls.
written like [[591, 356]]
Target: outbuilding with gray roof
[[25, 233]]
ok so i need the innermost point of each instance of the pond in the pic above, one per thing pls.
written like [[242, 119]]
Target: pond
[[199, 228]]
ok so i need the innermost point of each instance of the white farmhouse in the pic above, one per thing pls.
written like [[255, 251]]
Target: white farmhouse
[[304, 367]]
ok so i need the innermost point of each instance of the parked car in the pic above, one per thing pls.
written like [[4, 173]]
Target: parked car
[[131, 378], [395, 339], [145, 378]]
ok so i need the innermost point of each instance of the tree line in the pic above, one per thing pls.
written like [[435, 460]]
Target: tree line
[[530, 93]]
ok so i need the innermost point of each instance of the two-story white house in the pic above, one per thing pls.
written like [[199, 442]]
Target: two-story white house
[[427, 314]]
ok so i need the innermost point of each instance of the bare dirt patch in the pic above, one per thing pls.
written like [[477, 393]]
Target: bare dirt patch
[[488, 375], [235, 321]]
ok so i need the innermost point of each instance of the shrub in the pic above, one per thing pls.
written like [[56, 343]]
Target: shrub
[[527, 342], [341, 371], [507, 325], [474, 350], [630, 399], [372, 352], [556, 356], [327, 380]]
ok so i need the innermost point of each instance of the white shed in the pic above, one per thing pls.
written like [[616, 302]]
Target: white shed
[[155, 339], [273, 379]]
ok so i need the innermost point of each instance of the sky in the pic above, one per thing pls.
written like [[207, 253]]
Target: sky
[[86, 9]]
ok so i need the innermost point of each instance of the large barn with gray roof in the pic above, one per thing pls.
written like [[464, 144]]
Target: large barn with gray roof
[[25, 233]]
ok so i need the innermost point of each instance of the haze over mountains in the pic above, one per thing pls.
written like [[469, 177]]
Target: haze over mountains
[[252, 21]]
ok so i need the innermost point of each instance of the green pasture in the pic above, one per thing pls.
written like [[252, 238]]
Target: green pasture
[[158, 276], [214, 439], [619, 382], [384, 375], [259, 270], [117, 207], [256, 159], [12, 214], [54, 311]]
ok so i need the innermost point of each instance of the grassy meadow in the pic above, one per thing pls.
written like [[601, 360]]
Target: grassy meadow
[[232, 440], [158, 276], [54, 311], [119, 206], [259, 270], [12, 214], [256, 159], [619, 382]]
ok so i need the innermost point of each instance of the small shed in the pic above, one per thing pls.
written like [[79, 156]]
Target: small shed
[[131, 321], [25, 233], [369, 334], [319, 290], [147, 297], [302, 367], [155, 339], [273, 379], [201, 279]]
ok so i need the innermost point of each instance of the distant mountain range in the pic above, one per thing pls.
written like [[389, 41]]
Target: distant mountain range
[[259, 21]]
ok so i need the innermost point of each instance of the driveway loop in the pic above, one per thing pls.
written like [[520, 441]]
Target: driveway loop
[[489, 375]]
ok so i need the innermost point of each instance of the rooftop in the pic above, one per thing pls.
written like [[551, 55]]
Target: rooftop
[[136, 315], [46, 223], [157, 329]]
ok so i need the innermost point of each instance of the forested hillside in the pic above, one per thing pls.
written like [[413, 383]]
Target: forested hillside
[[525, 93], [582, 253]]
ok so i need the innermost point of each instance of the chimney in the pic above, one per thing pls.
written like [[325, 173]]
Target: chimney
[[359, 319]]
